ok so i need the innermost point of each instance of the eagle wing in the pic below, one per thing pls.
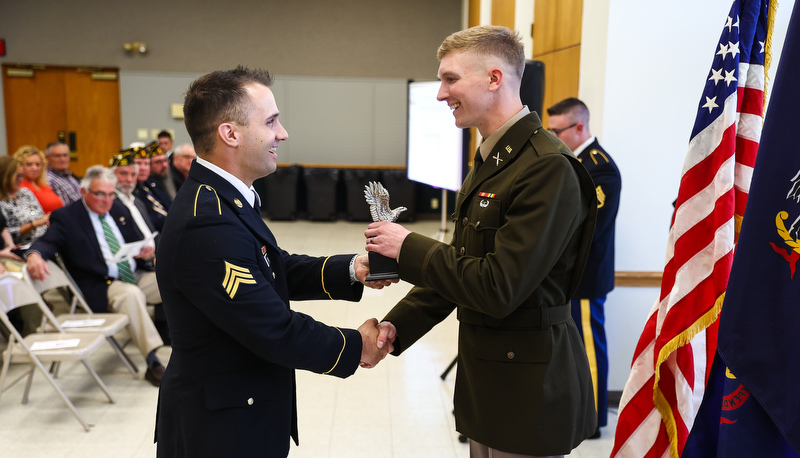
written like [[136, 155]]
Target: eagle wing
[[378, 199]]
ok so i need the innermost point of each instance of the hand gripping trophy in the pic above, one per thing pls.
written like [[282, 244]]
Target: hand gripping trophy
[[381, 267]]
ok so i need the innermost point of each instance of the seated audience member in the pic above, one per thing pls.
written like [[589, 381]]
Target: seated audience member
[[87, 234], [156, 200], [126, 166], [27, 318], [6, 250], [25, 218], [34, 178], [181, 163], [165, 142], [161, 172], [61, 180], [126, 171], [8, 259]]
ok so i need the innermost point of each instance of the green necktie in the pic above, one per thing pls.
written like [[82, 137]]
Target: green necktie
[[125, 272]]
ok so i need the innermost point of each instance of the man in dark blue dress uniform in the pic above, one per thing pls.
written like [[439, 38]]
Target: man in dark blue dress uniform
[[229, 388], [569, 121]]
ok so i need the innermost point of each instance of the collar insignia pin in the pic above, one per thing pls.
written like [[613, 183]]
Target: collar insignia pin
[[508, 148], [238, 202], [497, 159]]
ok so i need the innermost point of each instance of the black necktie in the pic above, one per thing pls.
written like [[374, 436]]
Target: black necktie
[[257, 203], [478, 158]]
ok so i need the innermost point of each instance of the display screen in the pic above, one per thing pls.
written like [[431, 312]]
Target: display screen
[[435, 145]]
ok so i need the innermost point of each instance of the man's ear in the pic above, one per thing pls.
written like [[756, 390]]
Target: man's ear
[[495, 78], [228, 133]]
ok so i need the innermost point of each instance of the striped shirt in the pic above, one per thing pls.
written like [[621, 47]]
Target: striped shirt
[[65, 185]]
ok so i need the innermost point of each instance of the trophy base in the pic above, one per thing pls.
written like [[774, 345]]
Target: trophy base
[[381, 268]]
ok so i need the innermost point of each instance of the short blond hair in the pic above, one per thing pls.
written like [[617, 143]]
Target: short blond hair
[[24, 152], [488, 40]]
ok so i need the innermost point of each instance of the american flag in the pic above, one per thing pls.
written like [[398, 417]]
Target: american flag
[[674, 354]]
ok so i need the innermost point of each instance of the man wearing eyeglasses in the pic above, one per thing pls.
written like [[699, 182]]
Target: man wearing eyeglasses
[[127, 171], [182, 163], [63, 182], [147, 189], [569, 121], [161, 173], [87, 233]]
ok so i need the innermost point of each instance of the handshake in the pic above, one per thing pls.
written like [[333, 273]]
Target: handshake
[[377, 339]]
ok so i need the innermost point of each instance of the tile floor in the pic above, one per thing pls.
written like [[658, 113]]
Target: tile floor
[[401, 408]]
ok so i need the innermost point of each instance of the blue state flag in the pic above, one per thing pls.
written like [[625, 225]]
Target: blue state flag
[[752, 403]]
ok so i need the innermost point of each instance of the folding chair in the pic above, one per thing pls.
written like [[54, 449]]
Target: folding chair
[[42, 348], [112, 323]]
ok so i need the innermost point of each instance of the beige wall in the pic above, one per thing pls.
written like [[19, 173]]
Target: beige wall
[[336, 42], [349, 38]]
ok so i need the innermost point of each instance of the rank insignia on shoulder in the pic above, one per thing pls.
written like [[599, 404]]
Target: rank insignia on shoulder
[[596, 152], [235, 276], [206, 200]]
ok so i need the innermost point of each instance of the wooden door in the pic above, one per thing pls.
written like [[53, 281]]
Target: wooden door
[[557, 43], [76, 105]]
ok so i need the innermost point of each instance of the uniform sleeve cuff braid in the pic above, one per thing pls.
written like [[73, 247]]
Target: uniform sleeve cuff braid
[[344, 344]]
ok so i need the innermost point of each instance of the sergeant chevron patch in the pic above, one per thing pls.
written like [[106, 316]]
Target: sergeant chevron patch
[[235, 276]]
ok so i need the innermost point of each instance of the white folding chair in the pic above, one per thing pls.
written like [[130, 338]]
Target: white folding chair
[[42, 348], [111, 324]]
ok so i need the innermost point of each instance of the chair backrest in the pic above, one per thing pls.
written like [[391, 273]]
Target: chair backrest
[[57, 279], [15, 292], [13, 333]]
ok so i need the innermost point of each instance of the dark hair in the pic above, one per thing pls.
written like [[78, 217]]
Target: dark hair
[[163, 134], [216, 98], [569, 105]]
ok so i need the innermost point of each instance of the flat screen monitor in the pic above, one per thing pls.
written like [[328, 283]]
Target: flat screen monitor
[[436, 154]]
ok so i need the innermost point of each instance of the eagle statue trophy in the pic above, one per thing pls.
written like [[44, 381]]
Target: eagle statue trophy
[[378, 199], [381, 267]]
